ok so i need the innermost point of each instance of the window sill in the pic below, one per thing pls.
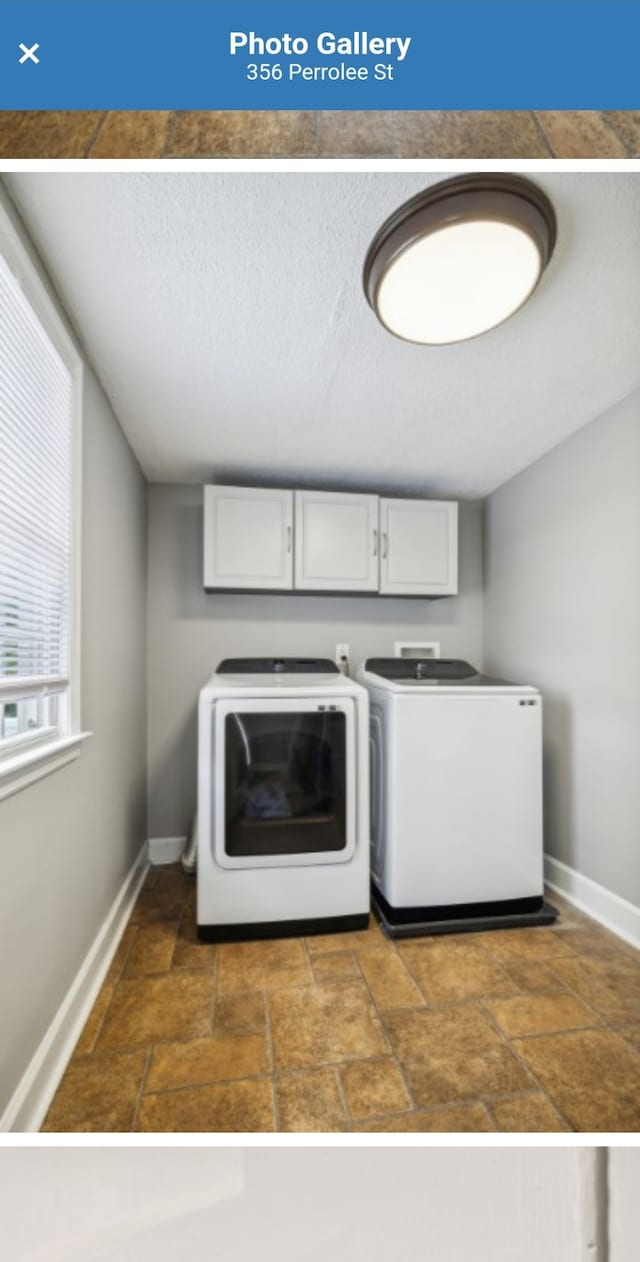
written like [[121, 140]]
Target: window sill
[[29, 765]]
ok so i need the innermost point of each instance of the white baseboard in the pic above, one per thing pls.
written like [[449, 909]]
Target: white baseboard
[[165, 849], [30, 1102], [610, 910]]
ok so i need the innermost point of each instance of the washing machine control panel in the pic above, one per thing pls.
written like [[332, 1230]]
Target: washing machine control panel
[[277, 666]]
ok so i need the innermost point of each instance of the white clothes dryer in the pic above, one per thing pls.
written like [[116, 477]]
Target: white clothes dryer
[[283, 800], [456, 805]]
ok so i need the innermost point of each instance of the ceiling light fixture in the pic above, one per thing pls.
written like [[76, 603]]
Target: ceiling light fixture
[[460, 258]]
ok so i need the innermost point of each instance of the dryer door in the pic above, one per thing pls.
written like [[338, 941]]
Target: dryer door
[[285, 777]]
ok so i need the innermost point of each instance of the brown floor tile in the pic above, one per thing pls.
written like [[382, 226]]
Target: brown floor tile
[[632, 952], [592, 1076], [370, 939], [453, 1054], [157, 905], [457, 1117], [527, 1113], [240, 1010], [357, 133], [212, 1059], [532, 976], [242, 133], [609, 983], [195, 1015], [580, 134], [222, 1107], [540, 1014], [98, 1093], [47, 133], [168, 880], [190, 952], [570, 917], [341, 967], [88, 1038], [506, 945], [468, 134], [191, 903], [408, 134], [152, 948], [258, 965], [631, 1033], [316, 1025], [169, 1006], [449, 968], [131, 134], [626, 124], [591, 941], [309, 1100], [388, 980], [373, 1088], [121, 955]]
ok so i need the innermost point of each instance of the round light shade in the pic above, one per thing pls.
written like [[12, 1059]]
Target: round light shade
[[460, 258]]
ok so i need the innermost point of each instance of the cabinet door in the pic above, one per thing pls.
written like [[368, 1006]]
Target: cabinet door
[[248, 538], [336, 542], [418, 547]]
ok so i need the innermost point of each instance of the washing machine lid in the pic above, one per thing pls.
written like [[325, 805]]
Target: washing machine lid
[[270, 676], [417, 668], [277, 666], [431, 673]]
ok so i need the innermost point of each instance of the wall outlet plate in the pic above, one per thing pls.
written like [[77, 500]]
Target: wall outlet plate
[[342, 657]]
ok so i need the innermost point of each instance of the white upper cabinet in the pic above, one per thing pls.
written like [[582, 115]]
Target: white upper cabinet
[[418, 547], [248, 538], [336, 542], [327, 541]]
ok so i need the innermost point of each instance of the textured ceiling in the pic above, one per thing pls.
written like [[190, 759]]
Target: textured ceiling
[[225, 317]]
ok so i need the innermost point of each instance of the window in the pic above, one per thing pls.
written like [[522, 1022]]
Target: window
[[39, 391]]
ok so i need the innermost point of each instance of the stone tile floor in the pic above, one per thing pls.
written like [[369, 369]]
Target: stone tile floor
[[356, 133], [514, 1030]]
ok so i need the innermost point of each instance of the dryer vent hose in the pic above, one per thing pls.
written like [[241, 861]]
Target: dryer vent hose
[[190, 852]]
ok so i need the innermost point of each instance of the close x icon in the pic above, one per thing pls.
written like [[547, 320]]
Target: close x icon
[[28, 53]]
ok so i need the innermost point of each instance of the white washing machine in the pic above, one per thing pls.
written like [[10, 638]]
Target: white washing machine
[[283, 800], [456, 798]]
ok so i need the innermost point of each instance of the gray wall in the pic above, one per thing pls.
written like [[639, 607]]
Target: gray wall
[[69, 839], [339, 1203], [562, 610], [190, 630]]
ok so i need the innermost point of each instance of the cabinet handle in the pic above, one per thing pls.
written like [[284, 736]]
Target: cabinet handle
[[385, 544], [288, 538], [375, 543]]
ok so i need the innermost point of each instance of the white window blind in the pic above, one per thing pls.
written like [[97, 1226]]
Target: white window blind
[[36, 409]]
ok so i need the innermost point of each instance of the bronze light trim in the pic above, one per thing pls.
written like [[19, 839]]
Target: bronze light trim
[[506, 199]]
